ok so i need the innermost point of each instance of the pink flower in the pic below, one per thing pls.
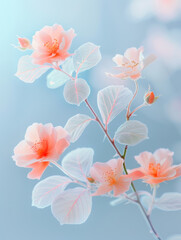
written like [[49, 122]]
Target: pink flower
[[42, 144], [51, 44], [109, 176], [24, 43], [157, 167], [130, 64]]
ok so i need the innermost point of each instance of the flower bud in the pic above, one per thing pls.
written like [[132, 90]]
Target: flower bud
[[150, 97], [24, 43], [91, 180]]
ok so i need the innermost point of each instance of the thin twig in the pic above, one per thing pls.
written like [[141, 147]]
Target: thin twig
[[124, 166]]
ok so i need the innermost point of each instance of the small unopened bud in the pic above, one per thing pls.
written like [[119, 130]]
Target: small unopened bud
[[24, 43], [150, 97], [91, 180]]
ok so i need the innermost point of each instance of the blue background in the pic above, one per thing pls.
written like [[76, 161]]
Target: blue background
[[108, 24]]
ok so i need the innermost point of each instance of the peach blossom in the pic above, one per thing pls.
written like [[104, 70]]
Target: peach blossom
[[42, 144], [157, 167], [109, 176], [130, 64], [51, 44]]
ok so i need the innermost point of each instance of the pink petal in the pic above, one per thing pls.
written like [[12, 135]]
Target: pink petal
[[38, 169], [32, 133], [39, 39], [98, 171], [119, 75], [23, 153], [155, 180], [168, 175], [55, 31], [68, 37], [60, 147], [133, 54], [164, 157], [135, 76], [178, 170], [117, 166], [61, 133], [136, 173], [144, 159], [170, 172], [122, 185], [120, 60], [103, 189]]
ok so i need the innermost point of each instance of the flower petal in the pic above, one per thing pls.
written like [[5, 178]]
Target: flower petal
[[103, 189], [38, 169], [122, 185], [98, 171]]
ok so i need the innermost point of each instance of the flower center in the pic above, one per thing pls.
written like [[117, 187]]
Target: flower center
[[154, 169], [41, 148], [109, 177], [132, 64], [53, 46], [111, 181]]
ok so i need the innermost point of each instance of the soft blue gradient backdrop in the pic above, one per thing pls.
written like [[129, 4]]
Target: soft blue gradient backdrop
[[106, 23]]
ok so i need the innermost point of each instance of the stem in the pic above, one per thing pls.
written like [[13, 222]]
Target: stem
[[105, 131], [125, 170], [146, 215], [124, 166], [152, 202], [68, 174], [59, 69], [149, 221], [135, 93], [130, 199], [136, 109]]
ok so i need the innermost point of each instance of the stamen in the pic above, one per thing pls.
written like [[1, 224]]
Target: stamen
[[109, 177], [154, 169], [52, 47], [41, 148]]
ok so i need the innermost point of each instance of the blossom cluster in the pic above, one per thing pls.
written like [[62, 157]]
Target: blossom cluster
[[44, 144]]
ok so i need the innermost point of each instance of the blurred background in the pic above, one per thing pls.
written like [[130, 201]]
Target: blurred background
[[115, 26]]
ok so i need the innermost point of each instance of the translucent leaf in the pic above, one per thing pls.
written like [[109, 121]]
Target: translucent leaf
[[112, 100], [146, 201], [118, 201], [131, 133], [122, 199], [170, 201], [78, 163], [27, 71], [76, 92], [68, 66], [175, 237], [76, 125], [86, 56], [73, 206], [57, 78], [48, 189]]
